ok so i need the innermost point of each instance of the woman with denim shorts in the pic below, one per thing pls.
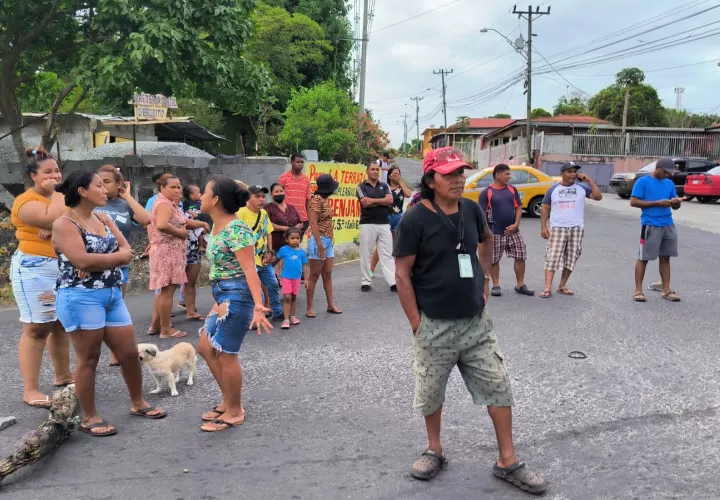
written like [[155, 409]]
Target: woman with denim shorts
[[33, 272], [238, 299], [91, 250], [399, 192], [320, 247]]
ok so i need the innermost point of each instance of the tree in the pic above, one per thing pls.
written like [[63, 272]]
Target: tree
[[204, 113], [645, 109], [501, 115], [324, 118], [572, 104], [539, 113], [628, 78], [118, 47], [463, 123]]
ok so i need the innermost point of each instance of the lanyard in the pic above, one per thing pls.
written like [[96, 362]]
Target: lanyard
[[460, 230]]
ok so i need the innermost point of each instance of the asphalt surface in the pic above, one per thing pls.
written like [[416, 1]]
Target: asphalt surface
[[329, 403]]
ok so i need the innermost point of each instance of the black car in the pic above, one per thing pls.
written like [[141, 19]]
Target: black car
[[623, 183]]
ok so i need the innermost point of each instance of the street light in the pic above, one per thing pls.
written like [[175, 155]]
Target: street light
[[519, 43]]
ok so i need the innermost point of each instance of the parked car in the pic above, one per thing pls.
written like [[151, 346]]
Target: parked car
[[623, 183], [530, 183], [705, 186]]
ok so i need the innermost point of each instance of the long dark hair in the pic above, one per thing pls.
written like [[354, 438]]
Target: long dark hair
[[426, 192], [70, 187], [232, 197]]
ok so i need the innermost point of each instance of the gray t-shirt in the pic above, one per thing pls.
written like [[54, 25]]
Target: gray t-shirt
[[119, 211]]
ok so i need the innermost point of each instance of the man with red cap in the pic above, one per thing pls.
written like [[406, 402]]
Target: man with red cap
[[443, 255]]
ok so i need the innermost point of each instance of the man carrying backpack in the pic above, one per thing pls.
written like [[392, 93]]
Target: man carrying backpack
[[503, 210]]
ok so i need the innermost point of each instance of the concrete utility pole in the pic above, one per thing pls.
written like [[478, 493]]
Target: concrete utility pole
[[405, 117], [363, 57], [417, 119], [528, 15], [442, 73]]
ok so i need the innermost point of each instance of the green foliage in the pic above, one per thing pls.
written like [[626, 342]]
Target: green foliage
[[203, 112], [501, 115], [324, 118], [539, 113], [463, 123], [683, 119], [573, 104], [645, 110], [629, 77]]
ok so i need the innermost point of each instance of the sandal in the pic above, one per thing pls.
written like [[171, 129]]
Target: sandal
[[143, 412], [565, 291], [519, 475], [87, 429], [428, 465], [524, 290], [334, 310], [215, 410], [309, 315], [199, 317], [639, 297], [545, 294], [285, 325], [218, 421], [496, 291], [175, 335], [39, 403], [294, 321], [672, 297]]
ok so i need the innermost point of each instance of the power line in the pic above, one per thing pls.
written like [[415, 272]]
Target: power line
[[558, 73], [416, 16]]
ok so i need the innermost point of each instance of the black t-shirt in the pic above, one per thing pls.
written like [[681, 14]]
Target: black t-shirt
[[377, 214], [439, 290]]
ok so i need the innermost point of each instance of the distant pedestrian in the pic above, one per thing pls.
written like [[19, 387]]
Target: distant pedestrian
[[502, 206], [656, 196], [399, 193], [443, 287], [564, 208], [375, 202], [320, 245], [291, 261], [297, 188], [384, 163]]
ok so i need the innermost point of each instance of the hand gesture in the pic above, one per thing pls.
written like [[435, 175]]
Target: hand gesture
[[206, 227], [124, 189], [49, 185], [665, 203], [182, 233], [82, 274], [260, 321], [321, 252], [583, 178], [545, 233], [126, 254]]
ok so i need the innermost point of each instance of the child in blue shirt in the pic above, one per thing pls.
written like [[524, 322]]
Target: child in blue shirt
[[292, 260]]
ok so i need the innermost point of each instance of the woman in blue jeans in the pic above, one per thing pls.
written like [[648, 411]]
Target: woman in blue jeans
[[91, 250], [238, 299]]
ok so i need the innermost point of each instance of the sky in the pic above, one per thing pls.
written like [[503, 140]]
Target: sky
[[401, 58]]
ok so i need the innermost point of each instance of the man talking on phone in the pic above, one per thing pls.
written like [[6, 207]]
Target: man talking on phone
[[564, 207], [656, 196]]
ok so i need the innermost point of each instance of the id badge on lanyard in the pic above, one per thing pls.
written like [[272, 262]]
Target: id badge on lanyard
[[464, 261]]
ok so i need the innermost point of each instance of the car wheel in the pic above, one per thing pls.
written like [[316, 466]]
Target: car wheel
[[624, 196], [535, 207], [704, 199]]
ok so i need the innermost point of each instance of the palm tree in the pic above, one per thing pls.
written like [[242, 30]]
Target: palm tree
[[628, 78]]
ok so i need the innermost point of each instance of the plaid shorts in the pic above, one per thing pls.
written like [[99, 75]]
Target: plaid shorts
[[563, 248], [512, 244]]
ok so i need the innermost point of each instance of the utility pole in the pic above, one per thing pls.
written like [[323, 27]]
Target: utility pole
[[528, 15], [679, 91], [363, 57], [417, 119], [405, 117], [442, 73]]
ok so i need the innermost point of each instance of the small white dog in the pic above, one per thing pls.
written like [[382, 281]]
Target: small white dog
[[169, 363]]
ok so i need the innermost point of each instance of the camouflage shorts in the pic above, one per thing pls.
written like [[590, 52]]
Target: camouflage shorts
[[469, 343]]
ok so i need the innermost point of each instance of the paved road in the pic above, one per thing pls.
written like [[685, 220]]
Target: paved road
[[329, 403]]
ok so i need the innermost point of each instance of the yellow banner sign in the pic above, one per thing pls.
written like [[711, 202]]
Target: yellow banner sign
[[345, 202]]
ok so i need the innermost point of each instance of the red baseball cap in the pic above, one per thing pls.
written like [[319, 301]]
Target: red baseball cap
[[444, 161]]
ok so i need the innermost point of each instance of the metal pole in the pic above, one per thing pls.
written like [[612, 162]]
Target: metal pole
[[134, 142], [417, 119], [529, 89], [363, 58], [442, 74]]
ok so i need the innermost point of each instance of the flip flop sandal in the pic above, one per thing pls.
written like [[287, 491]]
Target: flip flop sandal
[[496, 291], [181, 306], [565, 291], [64, 384], [153, 332], [285, 325], [428, 465], [519, 475], [196, 318], [143, 412], [87, 429], [524, 290], [219, 421], [212, 419], [639, 297], [334, 311], [39, 403], [176, 335], [545, 294], [655, 287], [672, 297], [309, 316]]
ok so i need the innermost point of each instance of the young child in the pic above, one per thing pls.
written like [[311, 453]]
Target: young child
[[292, 261]]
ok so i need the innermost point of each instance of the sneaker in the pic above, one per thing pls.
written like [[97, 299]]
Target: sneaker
[[393, 288], [365, 288], [285, 325], [294, 321]]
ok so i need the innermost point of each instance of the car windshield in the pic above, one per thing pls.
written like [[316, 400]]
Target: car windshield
[[714, 171], [474, 177], [649, 167]]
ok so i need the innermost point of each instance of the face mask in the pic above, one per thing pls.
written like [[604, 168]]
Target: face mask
[[279, 198]]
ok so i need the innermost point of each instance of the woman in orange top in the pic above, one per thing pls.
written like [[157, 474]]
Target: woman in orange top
[[34, 272]]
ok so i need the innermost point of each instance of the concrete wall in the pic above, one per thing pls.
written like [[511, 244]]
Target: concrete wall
[[139, 170], [557, 144]]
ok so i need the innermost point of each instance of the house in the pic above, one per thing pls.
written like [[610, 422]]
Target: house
[[462, 133], [551, 125]]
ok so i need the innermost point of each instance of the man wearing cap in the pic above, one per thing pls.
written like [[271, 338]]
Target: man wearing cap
[[375, 201], [656, 196], [258, 220], [564, 208], [443, 252]]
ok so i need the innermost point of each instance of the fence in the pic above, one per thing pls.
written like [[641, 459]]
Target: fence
[[647, 145]]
